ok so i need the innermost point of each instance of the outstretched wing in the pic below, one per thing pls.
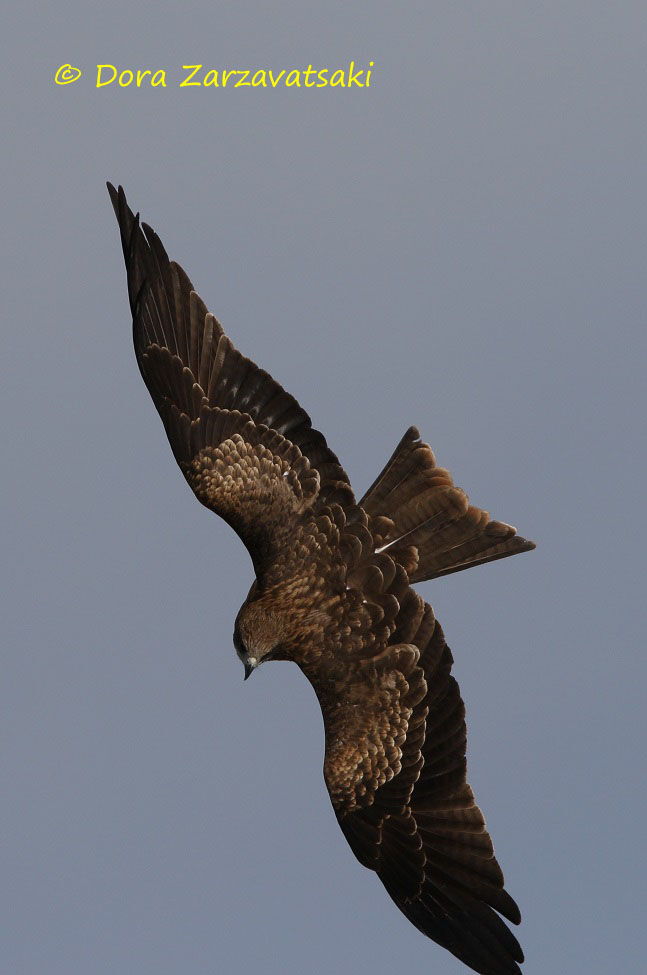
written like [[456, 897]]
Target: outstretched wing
[[396, 771], [245, 446]]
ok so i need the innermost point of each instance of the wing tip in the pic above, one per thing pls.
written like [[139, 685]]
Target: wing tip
[[116, 196]]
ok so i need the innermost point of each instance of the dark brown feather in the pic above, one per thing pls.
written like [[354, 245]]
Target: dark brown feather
[[419, 507], [332, 592]]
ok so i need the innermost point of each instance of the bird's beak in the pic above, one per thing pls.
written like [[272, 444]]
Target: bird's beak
[[248, 669]]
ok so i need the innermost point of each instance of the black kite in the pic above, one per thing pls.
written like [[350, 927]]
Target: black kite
[[333, 593]]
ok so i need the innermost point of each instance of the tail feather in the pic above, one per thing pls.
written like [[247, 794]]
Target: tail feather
[[416, 504]]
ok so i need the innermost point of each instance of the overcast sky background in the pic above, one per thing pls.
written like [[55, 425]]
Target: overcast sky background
[[461, 246]]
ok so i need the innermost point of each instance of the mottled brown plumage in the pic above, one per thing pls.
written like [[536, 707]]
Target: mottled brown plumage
[[332, 593]]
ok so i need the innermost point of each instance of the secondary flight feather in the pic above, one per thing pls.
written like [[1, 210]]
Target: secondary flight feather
[[332, 592]]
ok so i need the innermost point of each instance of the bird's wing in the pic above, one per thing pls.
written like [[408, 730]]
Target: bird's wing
[[246, 447], [395, 768]]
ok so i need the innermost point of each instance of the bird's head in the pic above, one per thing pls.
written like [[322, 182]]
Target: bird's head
[[258, 635]]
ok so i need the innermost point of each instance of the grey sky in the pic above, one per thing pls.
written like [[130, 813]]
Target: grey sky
[[462, 246]]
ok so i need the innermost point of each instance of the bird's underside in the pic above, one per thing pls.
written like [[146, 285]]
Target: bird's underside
[[333, 593]]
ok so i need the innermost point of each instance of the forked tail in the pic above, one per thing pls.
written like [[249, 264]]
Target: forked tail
[[426, 523]]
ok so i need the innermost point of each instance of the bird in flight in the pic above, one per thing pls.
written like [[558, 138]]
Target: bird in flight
[[332, 592]]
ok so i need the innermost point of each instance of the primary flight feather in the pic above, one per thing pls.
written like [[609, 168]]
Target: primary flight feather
[[333, 593]]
